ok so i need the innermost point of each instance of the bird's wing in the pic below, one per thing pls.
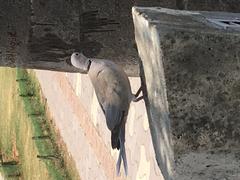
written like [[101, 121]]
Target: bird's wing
[[113, 116], [110, 97], [111, 108]]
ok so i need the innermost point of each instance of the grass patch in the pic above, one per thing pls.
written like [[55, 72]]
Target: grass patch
[[44, 135], [27, 137], [17, 150]]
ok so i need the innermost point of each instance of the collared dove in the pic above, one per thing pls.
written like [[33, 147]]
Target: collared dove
[[114, 95]]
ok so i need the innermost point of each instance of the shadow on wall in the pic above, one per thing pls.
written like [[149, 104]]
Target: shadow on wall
[[182, 4]]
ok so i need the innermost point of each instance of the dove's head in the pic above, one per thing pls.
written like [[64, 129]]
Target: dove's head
[[81, 62]]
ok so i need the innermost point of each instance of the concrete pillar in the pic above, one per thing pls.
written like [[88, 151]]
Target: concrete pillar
[[191, 63]]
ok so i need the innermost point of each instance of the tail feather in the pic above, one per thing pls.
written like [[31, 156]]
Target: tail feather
[[115, 139], [122, 156], [118, 165]]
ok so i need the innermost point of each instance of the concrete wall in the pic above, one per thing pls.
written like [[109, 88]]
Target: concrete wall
[[77, 115], [192, 75]]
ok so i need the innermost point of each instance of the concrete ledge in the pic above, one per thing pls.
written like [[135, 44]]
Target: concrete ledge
[[191, 66]]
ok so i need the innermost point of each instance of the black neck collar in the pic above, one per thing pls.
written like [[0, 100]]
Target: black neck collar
[[89, 64]]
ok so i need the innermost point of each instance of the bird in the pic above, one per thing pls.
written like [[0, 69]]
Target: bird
[[114, 94]]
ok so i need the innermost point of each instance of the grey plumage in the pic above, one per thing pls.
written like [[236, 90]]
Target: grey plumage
[[114, 95]]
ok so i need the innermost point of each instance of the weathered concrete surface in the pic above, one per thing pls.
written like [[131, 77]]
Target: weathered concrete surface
[[158, 118], [47, 32], [209, 5], [192, 72], [119, 45], [42, 37], [79, 118]]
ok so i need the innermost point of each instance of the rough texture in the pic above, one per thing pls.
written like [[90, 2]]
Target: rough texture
[[119, 45], [33, 39], [209, 5], [202, 74], [212, 165], [156, 101], [47, 32], [42, 34], [197, 65]]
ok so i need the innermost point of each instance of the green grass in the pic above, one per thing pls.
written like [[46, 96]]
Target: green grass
[[26, 134], [16, 143]]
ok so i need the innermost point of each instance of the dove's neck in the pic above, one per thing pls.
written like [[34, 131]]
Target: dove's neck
[[89, 64]]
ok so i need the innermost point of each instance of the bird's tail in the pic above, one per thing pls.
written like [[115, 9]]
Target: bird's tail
[[122, 154], [115, 139]]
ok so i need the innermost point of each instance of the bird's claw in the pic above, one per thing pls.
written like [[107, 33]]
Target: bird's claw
[[136, 98]]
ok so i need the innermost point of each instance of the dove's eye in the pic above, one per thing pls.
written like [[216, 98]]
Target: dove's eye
[[77, 54]]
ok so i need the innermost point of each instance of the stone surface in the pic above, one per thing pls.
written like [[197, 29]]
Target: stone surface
[[38, 34], [47, 32], [209, 5], [81, 123], [192, 73], [119, 45]]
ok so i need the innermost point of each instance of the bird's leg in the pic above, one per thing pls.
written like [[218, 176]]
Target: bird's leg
[[136, 98], [138, 92]]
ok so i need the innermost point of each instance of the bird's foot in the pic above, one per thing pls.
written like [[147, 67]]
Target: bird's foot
[[136, 97]]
